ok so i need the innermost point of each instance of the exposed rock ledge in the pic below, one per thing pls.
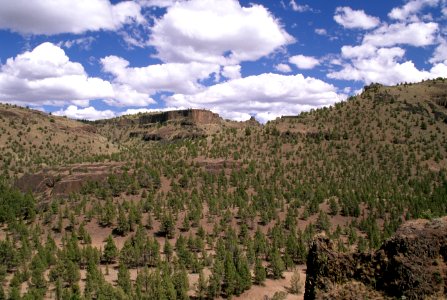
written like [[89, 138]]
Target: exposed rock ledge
[[187, 116], [410, 265]]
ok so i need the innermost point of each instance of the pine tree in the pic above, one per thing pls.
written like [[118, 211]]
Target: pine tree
[[108, 213], [333, 207], [110, 251], [323, 222], [93, 281], [168, 291], [276, 264], [231, 278], [149, 221], [260, 273], [143, 281], [216, 278], [167, 250], [134, 217], [72, 273], [123, 224], [167, 225], [59, 289], [153, 252], [201, 286], [37, 269], [243, 270], [181, 284], [185, 224], [124, 279]]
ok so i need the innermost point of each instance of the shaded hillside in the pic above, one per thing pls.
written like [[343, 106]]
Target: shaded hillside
[[30, 140], [212, 214], [411, 264]]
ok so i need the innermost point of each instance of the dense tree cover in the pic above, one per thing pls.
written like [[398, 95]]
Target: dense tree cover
[[234, 209], [14, 204]]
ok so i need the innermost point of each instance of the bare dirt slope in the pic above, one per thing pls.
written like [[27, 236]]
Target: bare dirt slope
[[31, 140]]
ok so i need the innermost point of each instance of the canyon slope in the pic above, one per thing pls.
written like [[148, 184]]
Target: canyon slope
[[189, 203]]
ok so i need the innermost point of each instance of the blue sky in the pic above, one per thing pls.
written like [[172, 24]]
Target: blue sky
[[95, 59]]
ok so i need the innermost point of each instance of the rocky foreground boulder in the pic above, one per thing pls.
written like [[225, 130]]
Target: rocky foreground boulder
[[410, 265]]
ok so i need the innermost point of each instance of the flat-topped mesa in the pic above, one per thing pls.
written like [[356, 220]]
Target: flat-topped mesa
[[188, 116]]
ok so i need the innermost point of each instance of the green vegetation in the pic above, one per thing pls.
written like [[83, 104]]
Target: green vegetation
[[232, 209]]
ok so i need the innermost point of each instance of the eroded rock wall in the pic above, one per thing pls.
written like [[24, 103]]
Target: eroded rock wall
[[194, 116], [411, 264]]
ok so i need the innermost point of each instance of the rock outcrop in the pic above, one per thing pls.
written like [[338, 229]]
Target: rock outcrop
[[187, 117], [169, 133], [65, 180], [175, 125], [411, 265]]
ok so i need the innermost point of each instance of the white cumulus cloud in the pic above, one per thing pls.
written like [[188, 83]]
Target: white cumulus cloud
[[415, 34], [440, 53], [299, 7], [171, 77], [66, 16], [46, 76], [264, 96], [304, 62], [284, 68], [382, 65], [349, 18], [231, 72], [381, 56], [410, 9], [157, 3], [219, 32], [321, 31], [83, 43], [89, 113], [125, 95], [361, 51], [134, 111]]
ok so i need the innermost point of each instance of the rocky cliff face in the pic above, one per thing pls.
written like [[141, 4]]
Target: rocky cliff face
[[189, 116], [411, 264], [63, 181], [175, 125]]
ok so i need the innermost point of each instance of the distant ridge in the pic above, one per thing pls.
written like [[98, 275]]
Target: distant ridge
[[197, 116]]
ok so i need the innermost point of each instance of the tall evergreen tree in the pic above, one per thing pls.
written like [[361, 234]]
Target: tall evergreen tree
[[110, 251], [276, 264], [231, 278], [260, 273], [124, 279], [201, 286], [244, 273], [123, 226]]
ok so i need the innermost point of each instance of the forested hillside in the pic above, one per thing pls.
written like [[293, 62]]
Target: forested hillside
[[201, 207]]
